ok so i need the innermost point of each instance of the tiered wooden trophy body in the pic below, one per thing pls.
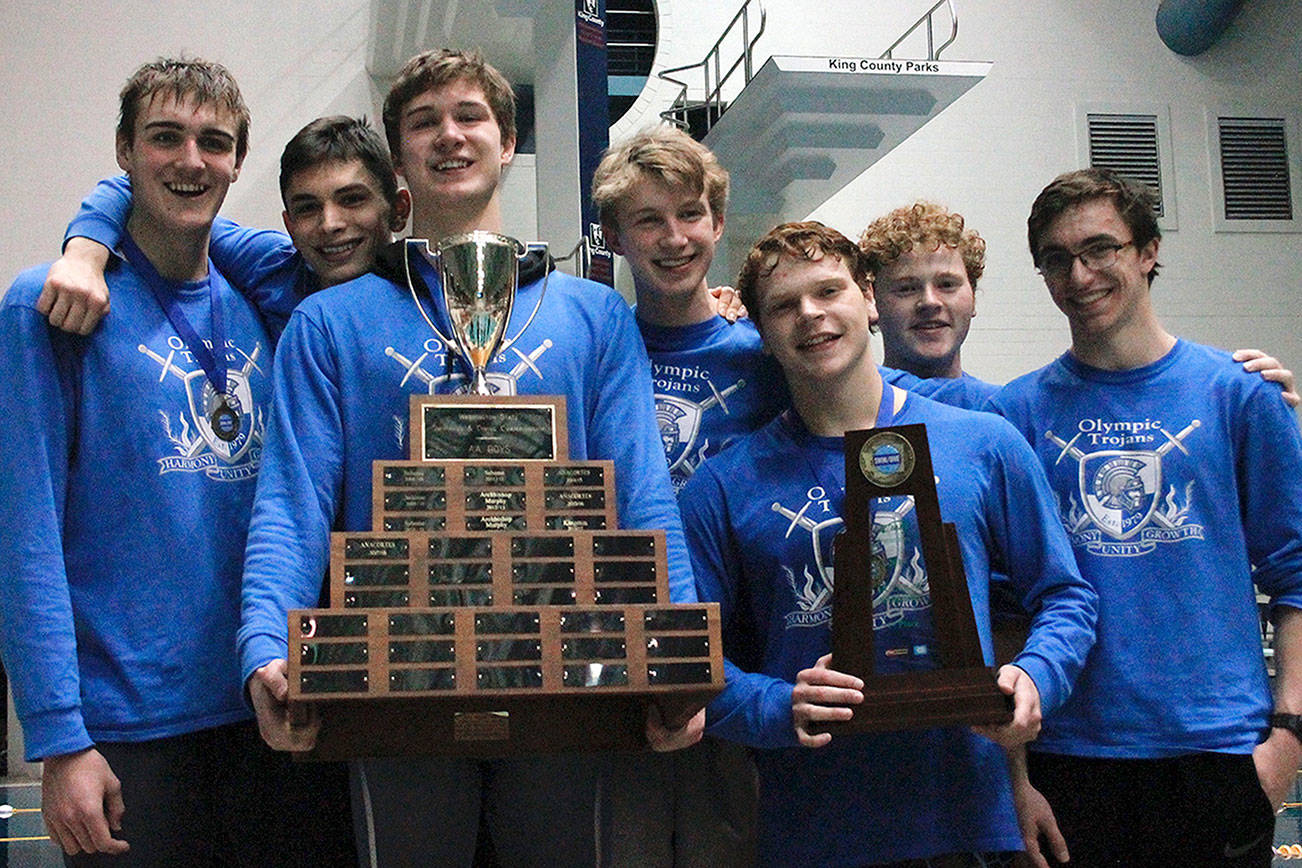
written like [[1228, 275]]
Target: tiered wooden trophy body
[[496, 608], [957, 688]]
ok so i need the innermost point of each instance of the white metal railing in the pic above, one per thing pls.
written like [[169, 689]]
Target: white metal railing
[[712, 104], [928, 18], [713, 74]]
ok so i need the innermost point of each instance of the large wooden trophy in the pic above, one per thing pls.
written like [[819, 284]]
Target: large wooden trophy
[[893, 556], [496, 608]]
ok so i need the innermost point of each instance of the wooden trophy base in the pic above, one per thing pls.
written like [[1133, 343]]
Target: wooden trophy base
[[944, 697], [956, 688], [499, 680], [489, 728]]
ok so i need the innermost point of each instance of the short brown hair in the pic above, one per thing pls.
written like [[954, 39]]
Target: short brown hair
[[665, 153], [809, 240], [436, 68], [1135, 202], [204, 82], [924, 225], [338, 139]]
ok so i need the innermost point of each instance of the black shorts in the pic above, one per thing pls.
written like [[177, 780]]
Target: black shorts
[[221, 797], [1195, 809]]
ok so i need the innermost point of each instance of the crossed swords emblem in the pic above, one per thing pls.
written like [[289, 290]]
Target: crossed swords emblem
[[251, 362], [693, 413], [717, 397], [817, 528], [236, 381], [414, 368], [1068, 447]]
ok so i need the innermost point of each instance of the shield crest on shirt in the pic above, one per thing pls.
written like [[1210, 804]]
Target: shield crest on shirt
[[679, 422], [203, 402], [1119, 490]]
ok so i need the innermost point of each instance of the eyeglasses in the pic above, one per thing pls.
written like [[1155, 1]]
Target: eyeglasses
[[1056, 264]]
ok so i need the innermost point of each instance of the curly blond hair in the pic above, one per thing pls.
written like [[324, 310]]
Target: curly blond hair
[[924, 225]]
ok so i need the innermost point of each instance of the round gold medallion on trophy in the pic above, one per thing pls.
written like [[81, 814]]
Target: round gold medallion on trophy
[[886, 459]]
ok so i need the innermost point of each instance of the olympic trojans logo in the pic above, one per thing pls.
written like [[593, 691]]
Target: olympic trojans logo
[[499, 383], [813, 588], [199, 445], [1119, 489], [1121, 496], [679, 421]]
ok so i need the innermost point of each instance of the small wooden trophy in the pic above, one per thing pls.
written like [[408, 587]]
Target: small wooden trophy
[[933, 672]]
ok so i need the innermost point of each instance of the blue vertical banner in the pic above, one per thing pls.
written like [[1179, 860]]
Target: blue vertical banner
[[593, 87]]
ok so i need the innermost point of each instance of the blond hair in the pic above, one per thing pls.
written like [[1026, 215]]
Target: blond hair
[[667, 154]]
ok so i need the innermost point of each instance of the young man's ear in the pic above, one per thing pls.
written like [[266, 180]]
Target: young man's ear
[[1148, 256], [508, 151], [401, 210], [610, 232], [122, 148]]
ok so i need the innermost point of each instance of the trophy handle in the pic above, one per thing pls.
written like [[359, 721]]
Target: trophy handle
[[524, 251], [431, 256]]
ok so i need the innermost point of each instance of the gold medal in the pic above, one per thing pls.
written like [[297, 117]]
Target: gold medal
[[886, 459]]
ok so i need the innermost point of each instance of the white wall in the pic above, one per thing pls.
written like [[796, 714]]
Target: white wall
[[989, 154], [986, 156]]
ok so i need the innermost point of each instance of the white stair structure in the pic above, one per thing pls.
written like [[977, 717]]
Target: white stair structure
[[804, 127], [792, 130], [799, 129]]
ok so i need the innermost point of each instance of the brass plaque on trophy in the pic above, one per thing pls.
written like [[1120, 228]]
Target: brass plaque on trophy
[[372, 569], [489, 428], [901, 611], [524, 495], [486, 681]]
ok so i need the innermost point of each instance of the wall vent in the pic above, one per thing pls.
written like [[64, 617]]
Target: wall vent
[[1133, 140], [1255, 172], [1127, 144], [1254, 169]]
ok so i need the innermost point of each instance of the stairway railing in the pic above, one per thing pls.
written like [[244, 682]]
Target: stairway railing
[[928, 17], [711, 105], [712, 69]]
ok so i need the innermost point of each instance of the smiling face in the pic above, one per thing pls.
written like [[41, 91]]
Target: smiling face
[[1105, 304], [815, 320], [338, 218], [926, 304], [452, 152], [667, 233], [181, 158]]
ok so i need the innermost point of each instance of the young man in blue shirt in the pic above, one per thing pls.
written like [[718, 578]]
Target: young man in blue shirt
[[662, 197], [1179, 479], [347, 364], [760, 518], [122, 533]]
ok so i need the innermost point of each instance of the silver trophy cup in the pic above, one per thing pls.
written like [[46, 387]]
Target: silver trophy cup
[[479, 273]]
